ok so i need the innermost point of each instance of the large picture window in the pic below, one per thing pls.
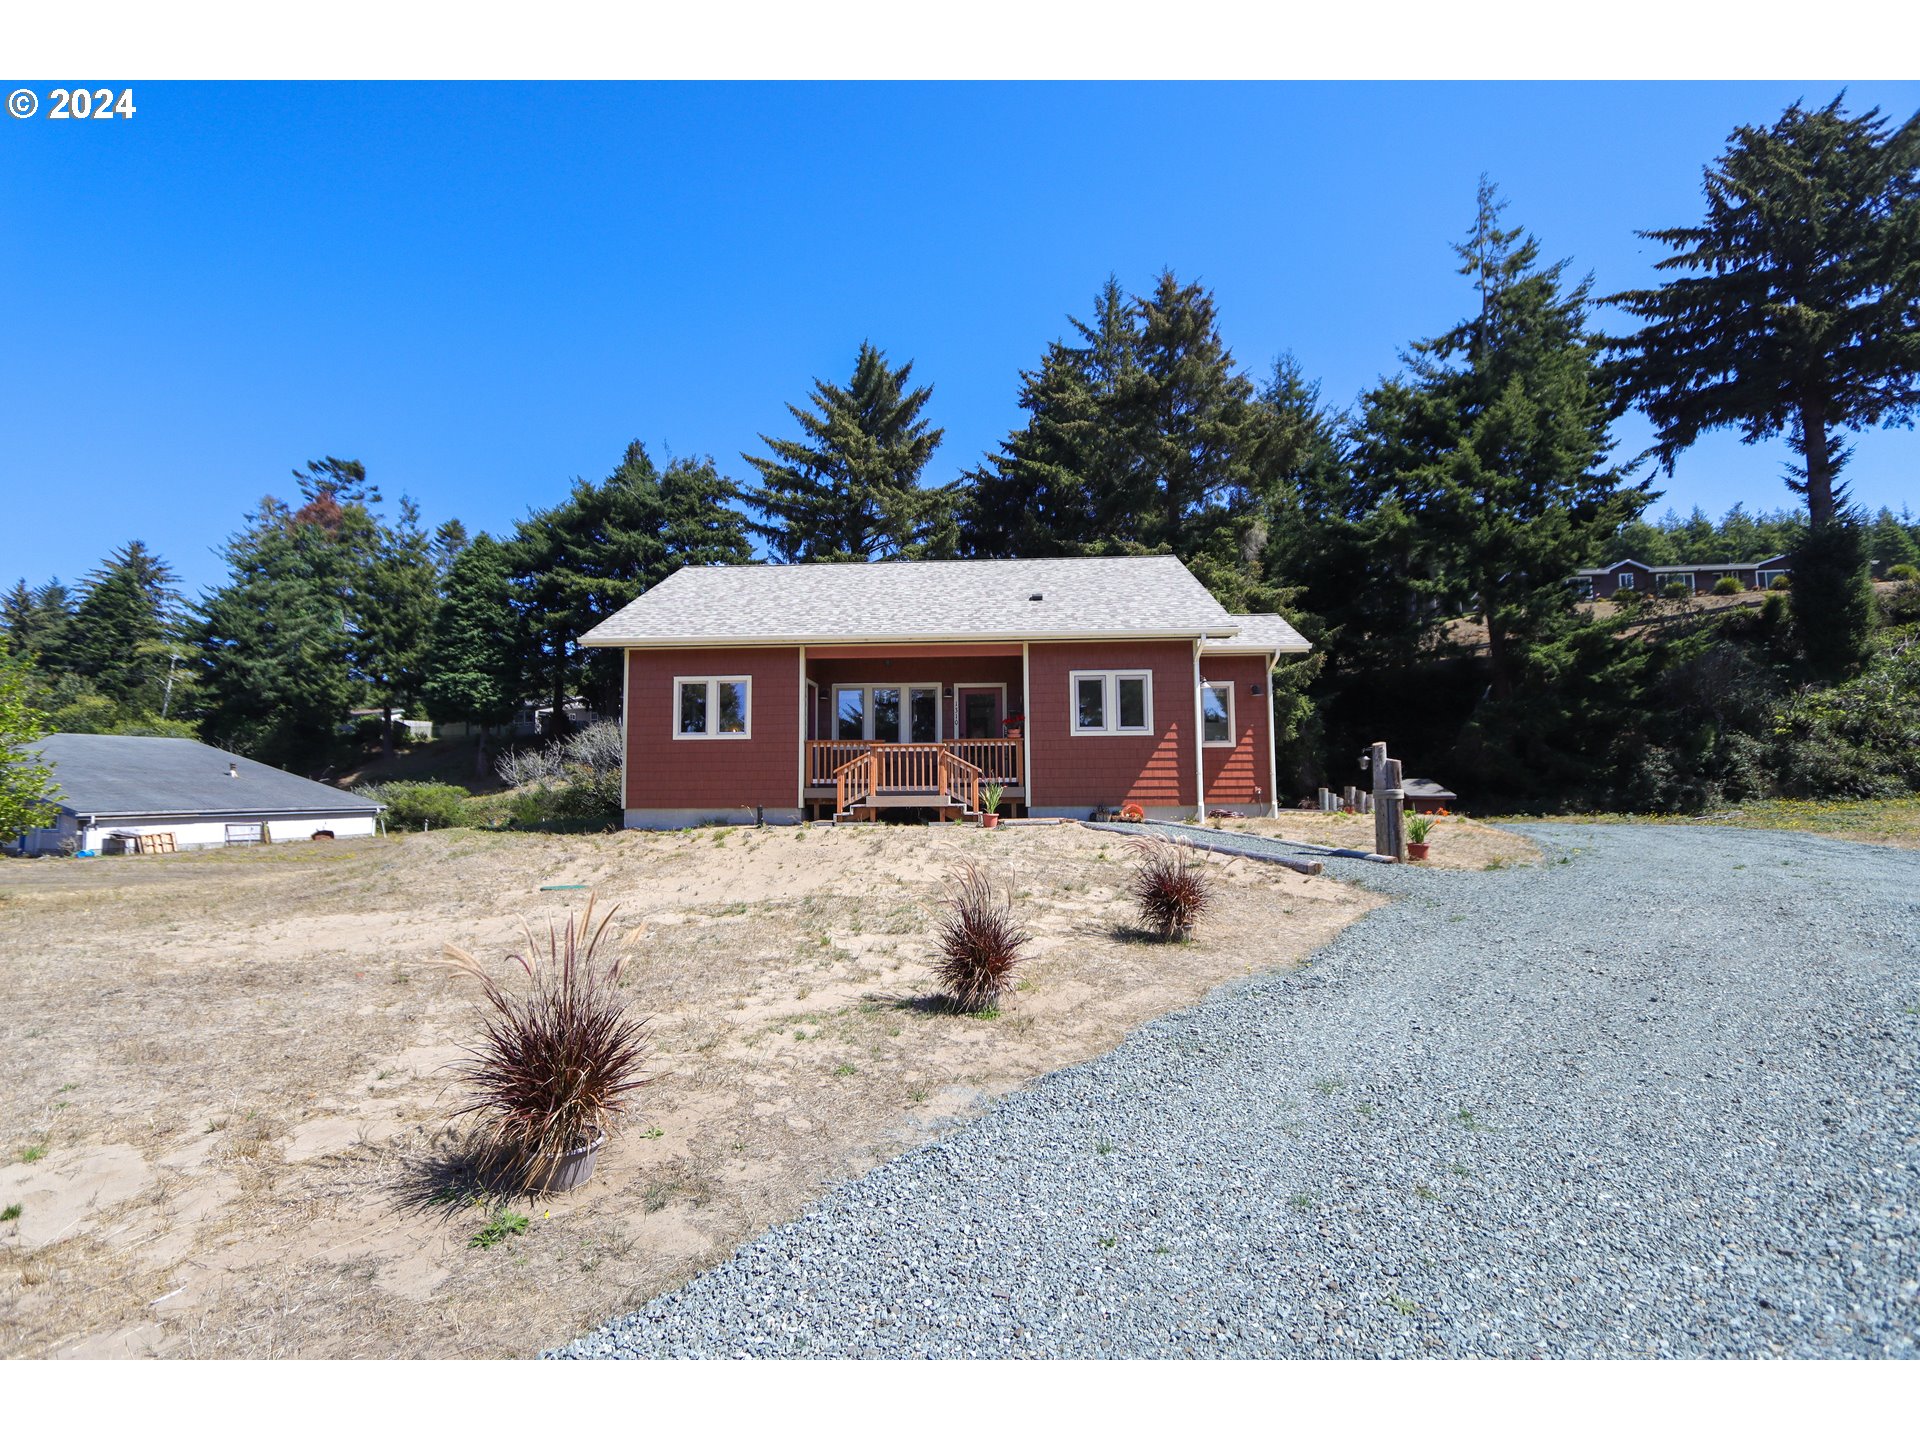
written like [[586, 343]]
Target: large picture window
[[1216, 714], [712, 707], [889, 714], [1112, 702]]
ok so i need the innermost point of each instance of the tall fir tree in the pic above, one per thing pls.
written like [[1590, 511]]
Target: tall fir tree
[[577, 562], [850, 488], [1493, 450], [1795, 310], [118, 636], [274, 641], [395, 602], [26, 782], [475, 646]]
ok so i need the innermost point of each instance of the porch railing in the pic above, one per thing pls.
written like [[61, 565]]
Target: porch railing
[[883, 770], [915, 768]]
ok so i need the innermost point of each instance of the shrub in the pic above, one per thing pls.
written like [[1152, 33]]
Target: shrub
[[1902, 606], [1781, 582], [1728, 585], [979, 941], [1908, 573], [1170, 886], [1627, 598], [556, 1066], [570, 784], [1677, 590], [422, 804]]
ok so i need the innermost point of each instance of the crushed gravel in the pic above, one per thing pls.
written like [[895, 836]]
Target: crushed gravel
[[1654, 1097]]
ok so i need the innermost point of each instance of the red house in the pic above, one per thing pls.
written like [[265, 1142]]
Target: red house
[[788, 691]]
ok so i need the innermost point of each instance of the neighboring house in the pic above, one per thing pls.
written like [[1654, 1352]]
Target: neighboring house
[[418, 729], [783, 691], [1600, 584], [116, 788]]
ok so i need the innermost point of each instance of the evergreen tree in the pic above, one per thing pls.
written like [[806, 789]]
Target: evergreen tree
[[449, 539], [39, 624], [274, 640], [1892, 541], [1036, 498], [26, 784], [850, 488], [577, 562], [1799, 313], [475, 647], [116, 635], [1492, 453], [396, 598]]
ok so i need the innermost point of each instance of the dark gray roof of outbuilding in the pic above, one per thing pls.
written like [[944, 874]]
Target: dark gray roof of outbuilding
[[153, 775]]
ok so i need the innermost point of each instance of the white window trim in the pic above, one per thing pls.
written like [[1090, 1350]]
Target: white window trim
[[713, 706], [1109, 701], [1625, 580], [1233, 719]]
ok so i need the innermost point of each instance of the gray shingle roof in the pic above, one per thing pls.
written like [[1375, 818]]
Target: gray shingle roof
[[152, 775], [1262, 632], [928, 600]]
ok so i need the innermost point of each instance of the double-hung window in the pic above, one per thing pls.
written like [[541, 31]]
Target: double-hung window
[[1216, 713], [1112, 702], [712, 707]]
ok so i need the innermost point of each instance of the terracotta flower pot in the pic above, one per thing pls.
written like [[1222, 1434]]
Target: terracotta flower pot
[[990, 821], [1416, 851]]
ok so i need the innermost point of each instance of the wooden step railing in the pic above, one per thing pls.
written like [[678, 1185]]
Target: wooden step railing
[[999, 761], [932, 770]]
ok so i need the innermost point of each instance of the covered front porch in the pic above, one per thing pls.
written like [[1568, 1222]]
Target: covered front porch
[[927, 727]]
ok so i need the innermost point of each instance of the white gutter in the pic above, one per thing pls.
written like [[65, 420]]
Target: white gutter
[[737, 642]]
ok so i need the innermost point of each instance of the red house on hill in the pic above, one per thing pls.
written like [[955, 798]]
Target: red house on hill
[[1076, 685]]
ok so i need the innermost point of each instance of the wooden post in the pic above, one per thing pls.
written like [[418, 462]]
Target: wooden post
[[1389, 805]]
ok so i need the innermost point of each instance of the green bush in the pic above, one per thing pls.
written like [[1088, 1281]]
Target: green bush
[[422, 804], [1908, 573], [1902, 607], [1677, 590], [1627, 597], [1781, 582], [582, 802], [1727, 585]]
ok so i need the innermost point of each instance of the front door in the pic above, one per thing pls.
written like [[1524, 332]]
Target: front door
[[979, 712]]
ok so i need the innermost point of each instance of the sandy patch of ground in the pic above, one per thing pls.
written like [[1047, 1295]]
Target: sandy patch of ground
[[1458, 843], [223, 1102]]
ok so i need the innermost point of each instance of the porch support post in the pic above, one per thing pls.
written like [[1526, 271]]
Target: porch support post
[[800, 788], [626, 729]]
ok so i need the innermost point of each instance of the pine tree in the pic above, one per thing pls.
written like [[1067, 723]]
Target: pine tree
[[577, 562], [1891, 541], [1798, 312], [116, 635], [39, 625], [475, 648], [1492, 451], [449, 539], [274, 640], [396, 599], [850, 489]]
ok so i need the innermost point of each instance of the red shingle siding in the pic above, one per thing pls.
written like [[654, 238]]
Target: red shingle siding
[[1090, 770], [1244, 774], [668, 773]]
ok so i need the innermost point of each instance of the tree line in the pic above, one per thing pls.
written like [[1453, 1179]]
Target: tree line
[[1471, 483]]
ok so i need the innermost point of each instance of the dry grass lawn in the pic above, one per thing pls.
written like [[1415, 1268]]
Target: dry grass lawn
[[1458, 843], [222, 1102]]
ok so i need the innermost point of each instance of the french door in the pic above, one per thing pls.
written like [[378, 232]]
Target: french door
[[887, 713]]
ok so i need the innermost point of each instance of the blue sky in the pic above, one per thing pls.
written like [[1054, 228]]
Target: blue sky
[[484, 291]]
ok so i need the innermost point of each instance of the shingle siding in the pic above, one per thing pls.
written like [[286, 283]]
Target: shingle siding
[[667, 773]]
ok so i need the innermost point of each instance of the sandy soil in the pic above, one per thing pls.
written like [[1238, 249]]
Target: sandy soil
[[1458, 843], [222, 1102]]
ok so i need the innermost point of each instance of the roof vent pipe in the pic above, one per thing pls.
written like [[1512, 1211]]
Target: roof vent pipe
[[233, 771]]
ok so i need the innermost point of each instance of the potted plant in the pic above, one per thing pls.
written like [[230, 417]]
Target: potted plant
[[1012, 725], [990, 805], [1418, 828], [557, 1061]]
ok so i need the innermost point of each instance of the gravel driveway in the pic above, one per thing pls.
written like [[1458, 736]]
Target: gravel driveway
[[1655, 1097]]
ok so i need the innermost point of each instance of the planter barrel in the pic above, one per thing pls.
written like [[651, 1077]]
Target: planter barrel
[[572, 1169]]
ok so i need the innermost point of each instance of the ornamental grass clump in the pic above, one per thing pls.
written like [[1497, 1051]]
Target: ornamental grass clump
[[979, 941], [558, 1061], [1171, 888]]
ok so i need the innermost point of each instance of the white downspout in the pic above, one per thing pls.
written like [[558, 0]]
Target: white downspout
[[1199, 750]]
